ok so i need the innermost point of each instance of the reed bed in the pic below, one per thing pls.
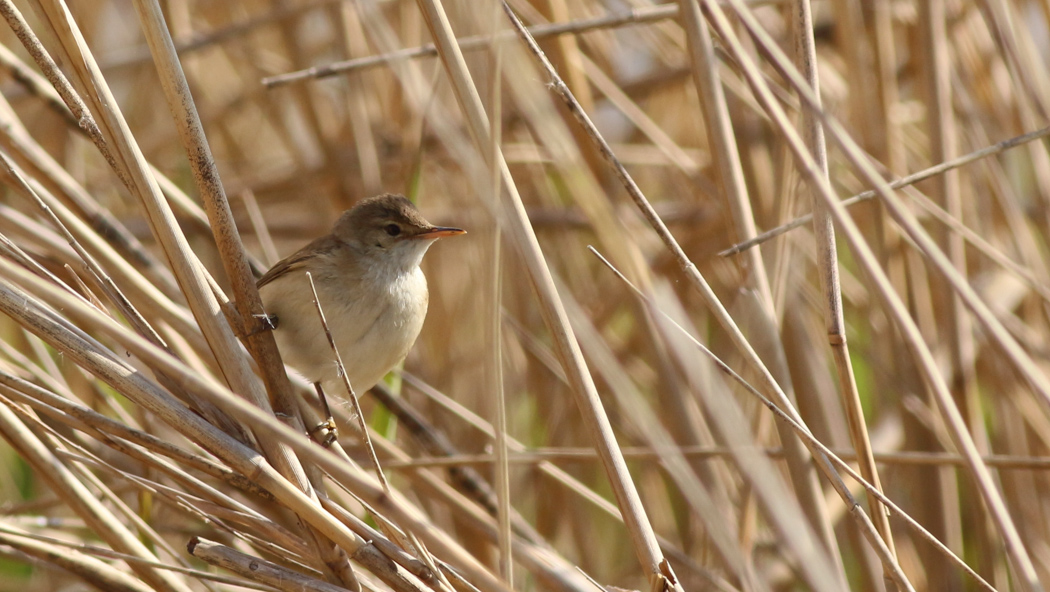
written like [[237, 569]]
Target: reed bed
[[755, 295]]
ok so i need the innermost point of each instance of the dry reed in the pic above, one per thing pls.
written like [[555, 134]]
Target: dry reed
[[856, 399]]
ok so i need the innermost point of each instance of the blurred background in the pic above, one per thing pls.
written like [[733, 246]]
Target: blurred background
[[914, 83]]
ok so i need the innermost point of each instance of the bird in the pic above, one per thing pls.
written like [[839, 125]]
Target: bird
[[370, 286]]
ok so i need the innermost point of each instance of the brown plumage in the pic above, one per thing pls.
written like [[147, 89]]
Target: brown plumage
[[367, 276]]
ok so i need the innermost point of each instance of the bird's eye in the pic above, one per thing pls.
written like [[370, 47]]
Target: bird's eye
[[393, 229]]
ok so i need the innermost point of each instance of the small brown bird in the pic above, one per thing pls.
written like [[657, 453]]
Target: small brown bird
[[371, 288]]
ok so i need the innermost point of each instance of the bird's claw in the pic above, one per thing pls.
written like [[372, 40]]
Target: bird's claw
[[329, 425]]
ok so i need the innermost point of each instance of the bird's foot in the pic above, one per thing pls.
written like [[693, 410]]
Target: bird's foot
[[329, 423], [331, 436]]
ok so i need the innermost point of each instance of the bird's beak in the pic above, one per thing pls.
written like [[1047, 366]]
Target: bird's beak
[[440, 231]]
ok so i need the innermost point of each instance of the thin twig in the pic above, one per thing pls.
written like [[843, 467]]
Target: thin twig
[[262, 231], [623, 18], [902, 182], [618, 19], [352, 396], [504, 514], [828, 268], [1014, 462]]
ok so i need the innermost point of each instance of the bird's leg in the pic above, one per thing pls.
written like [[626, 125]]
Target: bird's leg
[[327, 424]]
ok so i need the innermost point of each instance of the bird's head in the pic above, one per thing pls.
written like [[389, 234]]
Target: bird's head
[[389, 227]]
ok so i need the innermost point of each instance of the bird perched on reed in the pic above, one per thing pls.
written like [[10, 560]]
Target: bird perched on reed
[[369, 284]]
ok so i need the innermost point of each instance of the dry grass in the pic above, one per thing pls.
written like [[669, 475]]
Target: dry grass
[[862, 402]]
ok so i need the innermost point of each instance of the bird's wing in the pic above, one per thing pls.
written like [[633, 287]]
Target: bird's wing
[[298, 259]]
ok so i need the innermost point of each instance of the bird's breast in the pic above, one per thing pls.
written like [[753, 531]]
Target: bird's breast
[[374, 318], [390, 320]]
